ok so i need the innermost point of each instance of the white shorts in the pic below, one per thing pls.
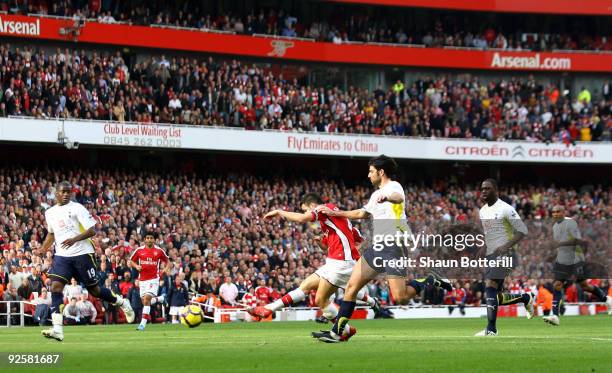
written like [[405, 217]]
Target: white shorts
[[150, 287], [336, 272], [175, 311]]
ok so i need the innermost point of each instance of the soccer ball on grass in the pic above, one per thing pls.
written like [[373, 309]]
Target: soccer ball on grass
[[191, 316]]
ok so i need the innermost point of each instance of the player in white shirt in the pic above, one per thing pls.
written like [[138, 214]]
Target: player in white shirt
[[70, 226], [386, 207], [503, 230], [570, 263]]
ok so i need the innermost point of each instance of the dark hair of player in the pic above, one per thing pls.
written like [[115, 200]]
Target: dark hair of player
[[382, 162], [492, 182], [151, 233], [312, 198]]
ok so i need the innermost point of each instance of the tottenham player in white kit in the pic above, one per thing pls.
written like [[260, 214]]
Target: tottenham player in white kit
[[570, 263], [70, 226], [386, 207], [503, 230]]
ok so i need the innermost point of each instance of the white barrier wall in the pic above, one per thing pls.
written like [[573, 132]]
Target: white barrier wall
[[438, 312], [224, 139]]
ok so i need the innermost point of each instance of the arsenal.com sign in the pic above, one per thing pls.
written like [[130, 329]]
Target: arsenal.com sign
[[529, 61]]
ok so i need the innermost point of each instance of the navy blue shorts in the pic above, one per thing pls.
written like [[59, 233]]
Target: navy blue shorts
[[82, 267], [564, 272]]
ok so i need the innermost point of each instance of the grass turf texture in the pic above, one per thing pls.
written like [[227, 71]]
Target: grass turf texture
[[580, 344]]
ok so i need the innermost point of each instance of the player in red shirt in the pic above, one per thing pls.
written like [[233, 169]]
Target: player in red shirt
[[263, 293], [147, 260], [339, 237]]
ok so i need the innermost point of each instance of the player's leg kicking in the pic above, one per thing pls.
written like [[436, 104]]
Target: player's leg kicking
[[326, 281], [84, 269], [362, 274], [558, 289], [294, 296]]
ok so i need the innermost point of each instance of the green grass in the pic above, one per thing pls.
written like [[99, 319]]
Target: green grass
[[580, 344]]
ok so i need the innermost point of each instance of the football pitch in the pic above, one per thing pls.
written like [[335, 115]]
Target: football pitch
[[580, 344]]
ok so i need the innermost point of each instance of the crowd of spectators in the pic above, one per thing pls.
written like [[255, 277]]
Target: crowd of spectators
[[220, 247], [94, 85], [339, 25]]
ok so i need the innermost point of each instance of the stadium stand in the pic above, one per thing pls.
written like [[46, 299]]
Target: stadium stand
[[207, 91], [211, 227]]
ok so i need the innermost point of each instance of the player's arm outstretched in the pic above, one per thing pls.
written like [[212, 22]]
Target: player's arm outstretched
[[394, 198], [291, 216], [352, 214]]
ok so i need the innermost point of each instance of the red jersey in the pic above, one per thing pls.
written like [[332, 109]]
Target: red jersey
[[339, 233], [150, 260], [263, 294]]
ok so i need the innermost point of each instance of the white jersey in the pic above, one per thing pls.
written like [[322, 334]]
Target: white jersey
[[69, 221], [565, 231], [388, 217], [500, 222], [387, 210]]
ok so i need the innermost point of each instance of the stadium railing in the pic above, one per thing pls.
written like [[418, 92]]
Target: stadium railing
[[21, 314], [161, 25], [268, 36], [74, 19]]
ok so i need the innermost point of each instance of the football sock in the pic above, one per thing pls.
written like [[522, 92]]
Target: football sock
[[557, 299], [146, 310], [418, 284], [57, 300], [345, 313], [491, 300], [507, 298], [292, 297], [108, 295], [599, 293]]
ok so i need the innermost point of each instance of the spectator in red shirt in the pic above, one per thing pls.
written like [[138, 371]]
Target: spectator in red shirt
[[126, 284], [122, 249]]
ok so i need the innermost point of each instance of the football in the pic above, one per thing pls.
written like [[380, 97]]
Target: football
[[191, 316]]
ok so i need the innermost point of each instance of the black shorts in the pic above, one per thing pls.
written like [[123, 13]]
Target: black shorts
[[380, 261], [82, 267], [565, 272], [499, 274]]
